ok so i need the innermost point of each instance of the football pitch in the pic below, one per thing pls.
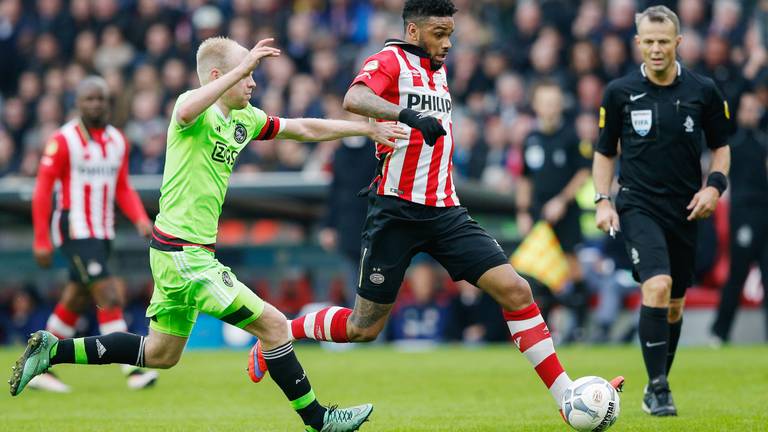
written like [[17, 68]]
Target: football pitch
[[447, 389]]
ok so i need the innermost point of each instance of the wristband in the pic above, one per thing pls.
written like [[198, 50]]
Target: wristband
[[718, 180]]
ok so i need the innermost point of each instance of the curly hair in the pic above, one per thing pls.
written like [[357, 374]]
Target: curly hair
[[415, 9]]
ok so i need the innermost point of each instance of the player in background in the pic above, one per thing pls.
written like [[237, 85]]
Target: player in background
[[209, 127], [86, 163], [555, 168], [413, 206]]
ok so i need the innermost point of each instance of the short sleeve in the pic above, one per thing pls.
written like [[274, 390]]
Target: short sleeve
[[379, 71], [609, 122], [174, 123], [580, 152], [526, 166], [718, 125]]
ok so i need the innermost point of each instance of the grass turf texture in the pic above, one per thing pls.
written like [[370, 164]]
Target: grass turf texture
[[451, 388]]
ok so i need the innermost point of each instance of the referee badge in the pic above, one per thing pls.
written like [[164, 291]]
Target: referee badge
[[240, 133], [642, 120]]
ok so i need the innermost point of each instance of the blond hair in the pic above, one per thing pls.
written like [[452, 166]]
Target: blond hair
[[214, 53], [658, 14]]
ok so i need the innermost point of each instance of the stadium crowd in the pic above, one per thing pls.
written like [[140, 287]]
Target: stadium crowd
[[145, 50]]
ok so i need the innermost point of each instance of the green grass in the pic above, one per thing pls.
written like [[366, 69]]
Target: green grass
[[456, 389]]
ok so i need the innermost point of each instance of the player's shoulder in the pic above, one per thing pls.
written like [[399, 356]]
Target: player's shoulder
[[627, 83], [384, 58], [700, 81]]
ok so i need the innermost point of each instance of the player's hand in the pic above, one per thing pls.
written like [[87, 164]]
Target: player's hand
[[524, 223], [386, 132], [144, 228], [703, 203], [606, 217], [43, 257], [429, 126], [257, 53], [554, 210], [328, 238]]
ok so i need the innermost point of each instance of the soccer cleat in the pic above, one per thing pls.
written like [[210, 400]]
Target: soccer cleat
[[618, 383], [35, 360], [140, 379], [344, 419], [257, 366], [657, 398], [48, 382]]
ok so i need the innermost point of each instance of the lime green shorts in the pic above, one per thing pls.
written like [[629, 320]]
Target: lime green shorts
[[192, 281]]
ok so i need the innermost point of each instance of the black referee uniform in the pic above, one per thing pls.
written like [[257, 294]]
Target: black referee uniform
[[663, 131], [748, 223], [550, 162]]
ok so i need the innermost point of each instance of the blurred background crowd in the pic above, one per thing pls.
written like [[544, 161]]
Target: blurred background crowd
[[145, 50]]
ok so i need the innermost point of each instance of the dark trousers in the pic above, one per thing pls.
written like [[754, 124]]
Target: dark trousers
[[748, 246]]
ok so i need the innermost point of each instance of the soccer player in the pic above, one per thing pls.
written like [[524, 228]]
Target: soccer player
[[209, 127], [86, 161], [412, 204], [663, 114]]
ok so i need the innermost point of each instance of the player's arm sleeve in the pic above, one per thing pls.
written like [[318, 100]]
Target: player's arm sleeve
[[378, 72], [609, 122], [526, 167], [261, 126], [125, 195], [581, 152], [182, 127], [718, 125], [53, 163]]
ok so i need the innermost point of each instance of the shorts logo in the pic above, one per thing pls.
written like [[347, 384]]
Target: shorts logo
[[635, 256], [376, 277], [94, 268], [642, 120], [240, 133], [227, 280]]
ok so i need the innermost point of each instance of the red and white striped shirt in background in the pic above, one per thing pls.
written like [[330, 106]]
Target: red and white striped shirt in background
[[89, 171], [401, 73]]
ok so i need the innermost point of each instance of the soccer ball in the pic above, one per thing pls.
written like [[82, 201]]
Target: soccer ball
[[590, 404]]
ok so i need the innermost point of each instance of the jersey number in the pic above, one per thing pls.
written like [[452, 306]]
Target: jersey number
[[222, 153]]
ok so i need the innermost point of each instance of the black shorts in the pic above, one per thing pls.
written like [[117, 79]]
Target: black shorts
[[395, 230], [87, 258], [658, 238]]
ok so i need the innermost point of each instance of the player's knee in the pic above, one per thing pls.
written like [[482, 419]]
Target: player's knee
[[271, 327], [675, 313], [516, 293], [656, 290], [160, 358]]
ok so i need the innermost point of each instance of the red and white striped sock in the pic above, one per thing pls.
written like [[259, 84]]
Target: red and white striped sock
[[531, 335], [111, 320], [329, 324], [62, 322]]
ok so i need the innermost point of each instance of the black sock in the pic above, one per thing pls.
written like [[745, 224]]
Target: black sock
[[674, 338], [287, 372], [654, 339], [123, 348]]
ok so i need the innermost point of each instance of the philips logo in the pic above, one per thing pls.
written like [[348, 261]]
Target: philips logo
[[429, 103]]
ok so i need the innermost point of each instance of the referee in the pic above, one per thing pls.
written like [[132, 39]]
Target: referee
[[663, 114]]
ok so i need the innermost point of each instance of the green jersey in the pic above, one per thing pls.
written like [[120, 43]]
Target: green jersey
[[198, 162]]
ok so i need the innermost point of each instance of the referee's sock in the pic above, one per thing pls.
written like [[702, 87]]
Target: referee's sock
[[654, 339], [122, 348], [288, 374], [674, 337]]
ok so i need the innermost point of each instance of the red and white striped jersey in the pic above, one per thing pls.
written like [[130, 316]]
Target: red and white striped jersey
[[414, 171], [89, 171]]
